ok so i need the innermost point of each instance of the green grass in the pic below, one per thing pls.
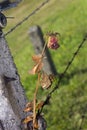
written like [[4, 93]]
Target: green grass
[[69, 18]]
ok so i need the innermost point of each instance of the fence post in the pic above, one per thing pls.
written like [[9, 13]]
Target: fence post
[[36, 38], [12, 96]]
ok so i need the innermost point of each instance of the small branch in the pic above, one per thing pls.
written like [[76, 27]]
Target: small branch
[[35, 99], [44, 48]]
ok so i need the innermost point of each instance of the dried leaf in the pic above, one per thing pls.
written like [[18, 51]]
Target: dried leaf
[[36, 58], [36, 124], [29, 107], [37, 68], [46, 80], [39, 64], [28, 119], [29, 104]]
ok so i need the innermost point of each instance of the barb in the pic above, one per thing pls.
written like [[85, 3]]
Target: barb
[[26, 18], [63, 74]]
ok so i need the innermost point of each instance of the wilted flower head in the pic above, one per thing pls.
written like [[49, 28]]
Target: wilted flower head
[[53, 41], [46, 80]]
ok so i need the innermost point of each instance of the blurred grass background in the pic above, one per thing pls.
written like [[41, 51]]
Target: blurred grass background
[[69, 18]]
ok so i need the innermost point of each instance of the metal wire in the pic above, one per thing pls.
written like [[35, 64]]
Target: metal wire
[[63, 74], [27, 17]]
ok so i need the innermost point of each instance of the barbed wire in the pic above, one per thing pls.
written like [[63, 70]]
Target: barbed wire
[[63, 74], [27, 17]]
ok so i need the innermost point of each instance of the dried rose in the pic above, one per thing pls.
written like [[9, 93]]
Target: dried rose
[[53, 41], [46, 80]]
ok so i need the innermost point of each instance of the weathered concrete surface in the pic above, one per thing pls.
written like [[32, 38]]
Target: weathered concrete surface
[[12, 97]]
